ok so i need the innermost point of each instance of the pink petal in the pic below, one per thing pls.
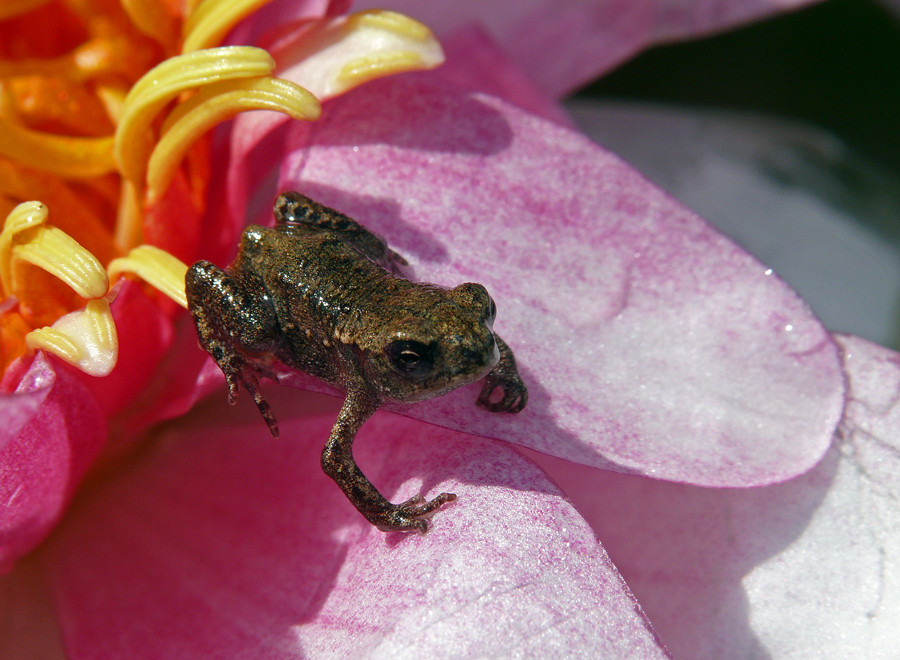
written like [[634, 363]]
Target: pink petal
[[650, 343], [562, 45], [159, 362], [783, 571], [145, 334], [279, 13], [224, 543], [476, 63], [41, 466], [28, 624]]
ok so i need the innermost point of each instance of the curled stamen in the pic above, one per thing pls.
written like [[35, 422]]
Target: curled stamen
[[215, 104], [156, 267], [85, 338], [25, 216], [213, 19], [77, 157], [26, 238], [164, 83], [391, 21], [355, 72], [337, 55]]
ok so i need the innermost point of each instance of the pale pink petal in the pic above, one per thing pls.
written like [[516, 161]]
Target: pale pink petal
[[783, 571], [41, 466], [221, 542], [649, 342], [563, 44]]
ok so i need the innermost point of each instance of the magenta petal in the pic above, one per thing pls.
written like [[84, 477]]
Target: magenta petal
[[224, 543], [42, 464], [278, 13], [562, 44], [649, 342], [784, 571], [28, 627]]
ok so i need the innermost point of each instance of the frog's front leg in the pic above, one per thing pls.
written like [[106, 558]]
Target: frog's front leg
[[233, 323], [505, 376], [339, 464]]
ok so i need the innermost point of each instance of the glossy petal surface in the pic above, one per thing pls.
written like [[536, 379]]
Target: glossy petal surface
[[650, 343], [783, 571], [220, 542]]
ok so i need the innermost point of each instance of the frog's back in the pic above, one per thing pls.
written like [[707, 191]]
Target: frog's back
[[321, 264], [320, 282]]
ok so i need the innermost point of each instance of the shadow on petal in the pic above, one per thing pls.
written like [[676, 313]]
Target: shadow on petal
[[222, 541]]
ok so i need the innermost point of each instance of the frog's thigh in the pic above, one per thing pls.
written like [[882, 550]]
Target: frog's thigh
[[224, 307]]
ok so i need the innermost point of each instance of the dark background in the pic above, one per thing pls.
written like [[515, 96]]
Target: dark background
[[835, 65]]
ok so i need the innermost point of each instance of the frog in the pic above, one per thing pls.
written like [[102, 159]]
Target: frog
[[321, 294]]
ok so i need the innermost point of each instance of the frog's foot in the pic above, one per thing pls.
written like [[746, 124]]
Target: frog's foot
[[412, 515], [503, 392], [237, 373]]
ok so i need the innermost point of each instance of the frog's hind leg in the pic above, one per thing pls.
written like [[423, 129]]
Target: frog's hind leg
[[234, 329]]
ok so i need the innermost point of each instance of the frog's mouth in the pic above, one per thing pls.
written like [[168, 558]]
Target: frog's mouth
[[466, 369]]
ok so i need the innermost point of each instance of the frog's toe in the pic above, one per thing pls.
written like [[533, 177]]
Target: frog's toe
[[512, 397], [414, 514]]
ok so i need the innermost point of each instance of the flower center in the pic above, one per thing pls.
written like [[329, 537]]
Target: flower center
[[102, 107]]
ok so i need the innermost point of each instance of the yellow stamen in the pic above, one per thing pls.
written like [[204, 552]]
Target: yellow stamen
[[391, 21], [213, 19], [152, 20], [156, 267], [166, 81], [129, 217], [381, 63], [85, 338], [215, 104], [377, 65], [76, 157], [26, 238], [21, 218], [10, 8], [339, 54]]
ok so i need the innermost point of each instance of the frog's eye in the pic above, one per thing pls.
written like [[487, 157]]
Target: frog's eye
[[492, 314], [411, 357]]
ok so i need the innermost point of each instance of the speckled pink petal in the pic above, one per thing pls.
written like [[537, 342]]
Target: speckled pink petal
[[649, 342], [221, 542], [563, 44], [42, 464], [784, 571]]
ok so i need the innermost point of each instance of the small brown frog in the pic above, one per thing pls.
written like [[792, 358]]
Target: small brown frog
[[321, 294]]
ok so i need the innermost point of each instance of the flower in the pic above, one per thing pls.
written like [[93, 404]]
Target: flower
[[212, 540], [125, 169]]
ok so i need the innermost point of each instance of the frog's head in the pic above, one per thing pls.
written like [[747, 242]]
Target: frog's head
[[441, 340]]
